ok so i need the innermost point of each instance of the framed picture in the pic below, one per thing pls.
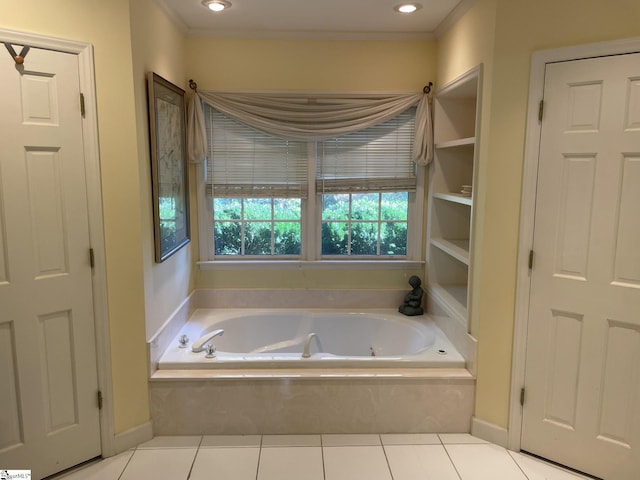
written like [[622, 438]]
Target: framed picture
[[169, 174]]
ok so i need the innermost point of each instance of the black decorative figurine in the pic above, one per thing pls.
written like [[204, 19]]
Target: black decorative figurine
[[413, 300]]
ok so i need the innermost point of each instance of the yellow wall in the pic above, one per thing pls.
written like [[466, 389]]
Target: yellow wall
[[309, 65], [158, 46], [468, 43], [225, 64], [520, 29], [106, 26]]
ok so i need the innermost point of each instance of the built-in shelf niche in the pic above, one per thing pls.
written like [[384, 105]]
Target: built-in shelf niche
[[450, 224], [450, 220], [454, 169]]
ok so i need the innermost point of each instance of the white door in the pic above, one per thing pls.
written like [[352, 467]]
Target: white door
[[49, 417], [582, 379]]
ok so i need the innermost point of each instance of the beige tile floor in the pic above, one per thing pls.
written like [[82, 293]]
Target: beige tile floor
[[320, 457]]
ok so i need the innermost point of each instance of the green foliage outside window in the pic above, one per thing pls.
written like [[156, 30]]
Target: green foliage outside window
[[263, 226], [367, 217], [372, 224]]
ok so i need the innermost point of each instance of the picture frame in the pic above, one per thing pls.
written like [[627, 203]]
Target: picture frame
[[169, 172]]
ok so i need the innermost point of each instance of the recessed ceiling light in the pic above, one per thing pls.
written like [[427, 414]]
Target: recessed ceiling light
[[407, 7], [216, 5]]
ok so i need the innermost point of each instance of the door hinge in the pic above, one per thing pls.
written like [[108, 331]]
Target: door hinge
[[82, 108], [92, 258], [530, 259], [522, 396], [540, 110], [99, 400]]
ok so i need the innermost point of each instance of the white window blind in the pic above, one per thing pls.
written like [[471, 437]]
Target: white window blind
[[376, 159], [243, 162]]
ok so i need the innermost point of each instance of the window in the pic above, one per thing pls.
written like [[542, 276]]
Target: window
[[257, 183], [257, 226], [365, 179], [358, 196], [372, 224]]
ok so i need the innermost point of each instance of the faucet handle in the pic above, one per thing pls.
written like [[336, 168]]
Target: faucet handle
[[183, 341], [210, 348]]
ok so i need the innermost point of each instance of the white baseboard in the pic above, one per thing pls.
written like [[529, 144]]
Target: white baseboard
[[133, 437], [489, 432]]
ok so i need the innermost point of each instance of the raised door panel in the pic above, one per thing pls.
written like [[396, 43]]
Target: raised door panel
[[632, 120], [58, 371], [620, 384], [4, 265], [46, 207], [11, 433], [39, 98], [575, 210], [627, 251]]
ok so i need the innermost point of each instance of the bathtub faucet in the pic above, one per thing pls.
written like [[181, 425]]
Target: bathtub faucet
[[307, 344], [199, 345]]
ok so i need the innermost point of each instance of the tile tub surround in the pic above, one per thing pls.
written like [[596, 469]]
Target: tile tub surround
[[161, 340], [436, 403], [455, 331], [302, 298], [288, 402]]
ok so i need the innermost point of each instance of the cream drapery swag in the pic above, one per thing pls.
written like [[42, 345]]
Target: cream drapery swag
[[307, 117]]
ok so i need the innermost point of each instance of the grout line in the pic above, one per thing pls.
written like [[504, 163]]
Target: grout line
[[384, 451], [259, 456], [127, 464], [324, 472], [518, 465], [193, 462], [451, 460]]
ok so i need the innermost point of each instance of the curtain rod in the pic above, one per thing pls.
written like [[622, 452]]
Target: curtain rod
[[426, 90]]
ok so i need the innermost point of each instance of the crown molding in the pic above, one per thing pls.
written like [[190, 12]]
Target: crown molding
[[456, 14], [311, 35], [173, 17]]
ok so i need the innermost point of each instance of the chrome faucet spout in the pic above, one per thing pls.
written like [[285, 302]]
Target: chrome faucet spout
[[306, 351], [199, 345]]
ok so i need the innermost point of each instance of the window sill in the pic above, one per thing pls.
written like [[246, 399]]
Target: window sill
[[308, 265]]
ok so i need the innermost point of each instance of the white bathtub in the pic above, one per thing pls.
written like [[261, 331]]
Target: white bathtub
[[275, 338]]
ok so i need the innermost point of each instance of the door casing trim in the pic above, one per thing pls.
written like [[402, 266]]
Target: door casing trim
[[84, 51], [539, 61]]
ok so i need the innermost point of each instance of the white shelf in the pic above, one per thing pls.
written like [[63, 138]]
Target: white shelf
[[460, 142], [455, 296], [450, 228], [458, 248], [455, 198]]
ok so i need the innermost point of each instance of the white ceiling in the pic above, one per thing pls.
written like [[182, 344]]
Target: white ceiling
[[306, 18]]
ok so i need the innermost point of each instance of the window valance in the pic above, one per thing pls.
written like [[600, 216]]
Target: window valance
[[306, 117]]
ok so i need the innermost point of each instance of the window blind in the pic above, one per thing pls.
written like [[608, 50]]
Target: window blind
[[243, 162], [375, 159]]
